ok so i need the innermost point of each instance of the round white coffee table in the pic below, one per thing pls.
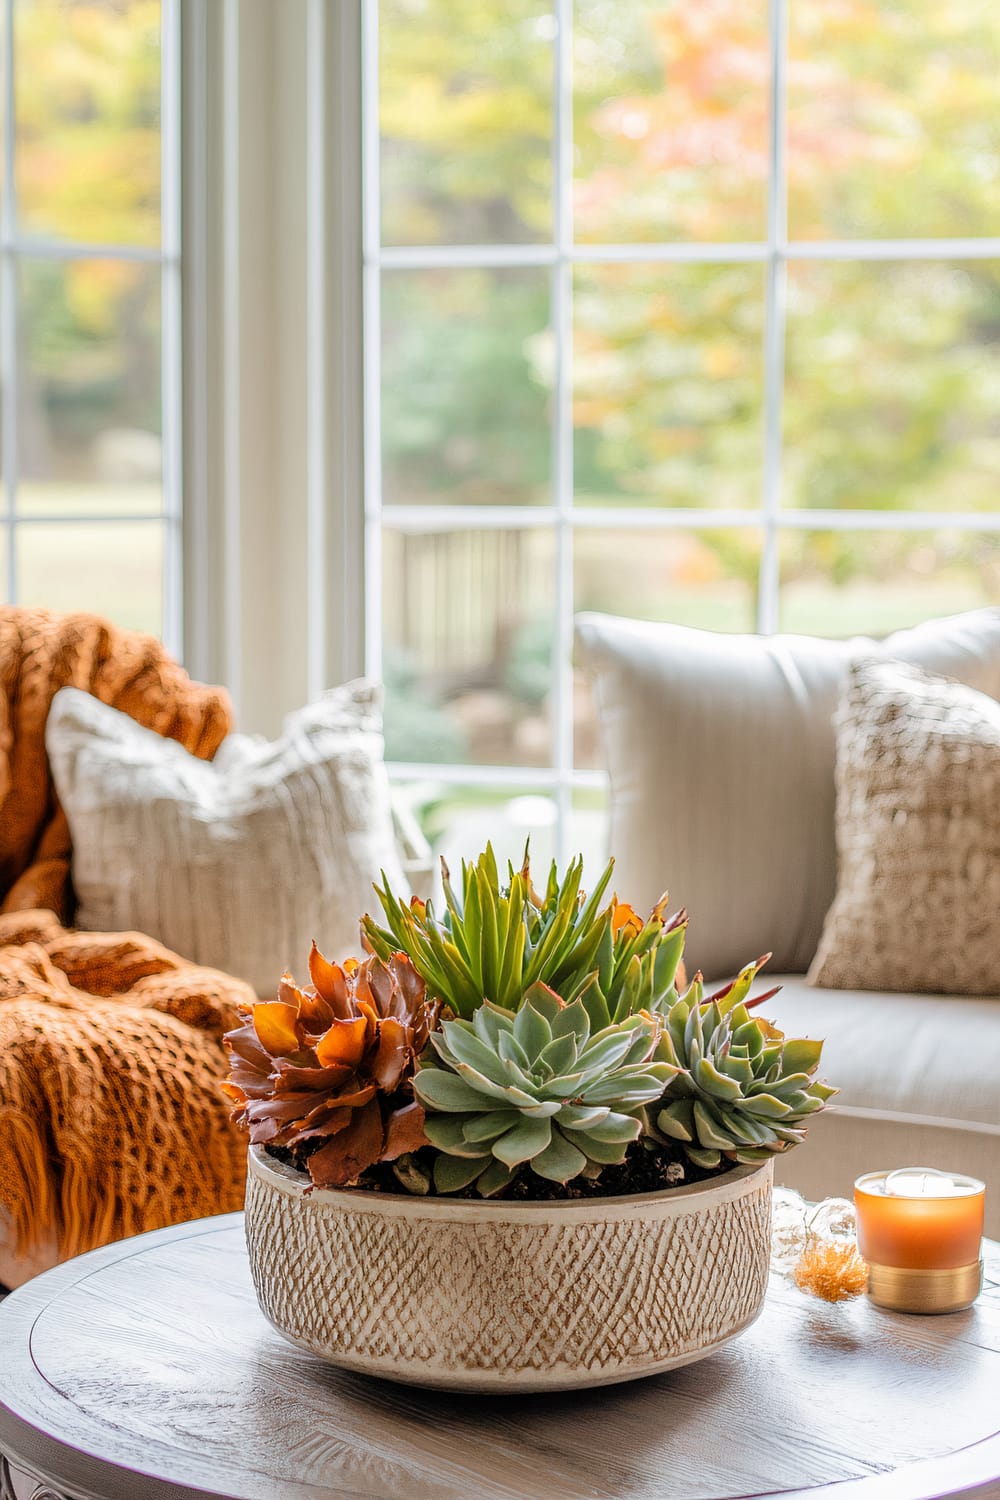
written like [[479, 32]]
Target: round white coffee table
[[146, 1370]]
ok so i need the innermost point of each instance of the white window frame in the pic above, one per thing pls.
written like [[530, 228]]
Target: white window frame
[[560, 256], [274, 581], [18, 246]]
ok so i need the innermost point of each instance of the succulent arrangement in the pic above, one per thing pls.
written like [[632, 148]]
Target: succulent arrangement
[[518, 1043]]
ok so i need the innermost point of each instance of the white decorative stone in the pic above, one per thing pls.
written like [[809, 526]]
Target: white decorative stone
[[494, 1296]]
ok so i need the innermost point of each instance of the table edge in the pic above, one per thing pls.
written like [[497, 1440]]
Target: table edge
[[85, 1475]]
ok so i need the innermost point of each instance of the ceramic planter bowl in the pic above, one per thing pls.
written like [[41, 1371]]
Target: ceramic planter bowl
[[494, 1296]]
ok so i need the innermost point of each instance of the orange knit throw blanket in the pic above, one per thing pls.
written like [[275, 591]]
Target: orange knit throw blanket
[[39, 654], [111, 1116]]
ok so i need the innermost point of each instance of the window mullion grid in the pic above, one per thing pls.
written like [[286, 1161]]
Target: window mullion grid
[[560, 258], [170, 326], [371, 232], [768, 583], [8, 303], [471, 773], [748, 252], [14, 245], [562, 420]]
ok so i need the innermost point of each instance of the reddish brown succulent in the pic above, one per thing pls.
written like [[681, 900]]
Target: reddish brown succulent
[[332, 1063]]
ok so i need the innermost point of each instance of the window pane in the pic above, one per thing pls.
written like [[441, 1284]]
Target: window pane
[[467, 652], [671, 120], [459, 821], [89, 395], [668, 385], [893, 127], [840, 583], [893, 386], [466, 367], [113, 569], [465, 108], [589, 831], [87, 134], [703, 578]]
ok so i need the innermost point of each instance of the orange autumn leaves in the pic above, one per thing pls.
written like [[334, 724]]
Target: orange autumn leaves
[[331, 1063]]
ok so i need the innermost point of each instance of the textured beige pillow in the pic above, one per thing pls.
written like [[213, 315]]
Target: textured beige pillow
[[721, 752], [239, 864], [918, 837]]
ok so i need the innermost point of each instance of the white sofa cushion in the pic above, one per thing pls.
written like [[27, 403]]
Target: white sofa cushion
[[927, 1057], [237, 865], [918, 1087], [721, 754]]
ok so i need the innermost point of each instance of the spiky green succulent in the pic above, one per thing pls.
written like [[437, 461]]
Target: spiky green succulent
[[536, 1085], [741, 1090], [499, 940]]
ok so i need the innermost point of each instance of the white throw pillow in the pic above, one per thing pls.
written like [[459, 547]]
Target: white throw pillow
[[237, 864], [721, 753]]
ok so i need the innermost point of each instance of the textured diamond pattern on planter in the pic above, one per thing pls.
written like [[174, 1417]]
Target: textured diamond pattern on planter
[[509, 1297]]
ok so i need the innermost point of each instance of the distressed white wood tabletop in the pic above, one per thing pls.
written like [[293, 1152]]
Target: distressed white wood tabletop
[[147, 1370]]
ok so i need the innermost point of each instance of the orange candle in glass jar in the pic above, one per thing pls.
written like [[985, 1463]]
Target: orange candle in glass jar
[[919, 1219]]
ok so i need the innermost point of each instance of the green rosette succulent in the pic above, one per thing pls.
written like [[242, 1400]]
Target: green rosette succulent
[[499, 939], [535, 1085], [741, 1090]]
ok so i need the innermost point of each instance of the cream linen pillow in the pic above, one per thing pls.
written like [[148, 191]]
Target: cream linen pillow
[[918, 837], [721, 752], [240, 864]]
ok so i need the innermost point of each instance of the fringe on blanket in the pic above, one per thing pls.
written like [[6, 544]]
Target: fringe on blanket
[[111, 1117]]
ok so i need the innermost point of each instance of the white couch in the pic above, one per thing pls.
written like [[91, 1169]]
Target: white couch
[[919, 1080], [721, 755]]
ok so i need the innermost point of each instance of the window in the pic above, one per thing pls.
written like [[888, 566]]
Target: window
[[672, 310], [89, 310]]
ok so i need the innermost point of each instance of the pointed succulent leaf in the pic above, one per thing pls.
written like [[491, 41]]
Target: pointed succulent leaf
[[460, 1044], [801, 1055], [715, 1083], [757, 1132], [738, 1068], [667, 956], [605, 1153], [582, 1116], [532, 1030], [591, 997], [505, 1093], [558, 1056], [439, 1089], [560, 1161], [488, 1023], [523, 1142], [494, 1179], [448, 1134], [641, 1088], [677, 1120], [518, 1065], [490, 934], [703, 1157], [709, 1130], [615, 1129], [453, 1173], [607, 1050], [488, 1126]]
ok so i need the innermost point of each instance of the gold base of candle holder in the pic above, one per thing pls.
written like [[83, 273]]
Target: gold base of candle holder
[[909, 1291]]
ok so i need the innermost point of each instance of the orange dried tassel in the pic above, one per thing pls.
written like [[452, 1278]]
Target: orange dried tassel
[[834, 1272]]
